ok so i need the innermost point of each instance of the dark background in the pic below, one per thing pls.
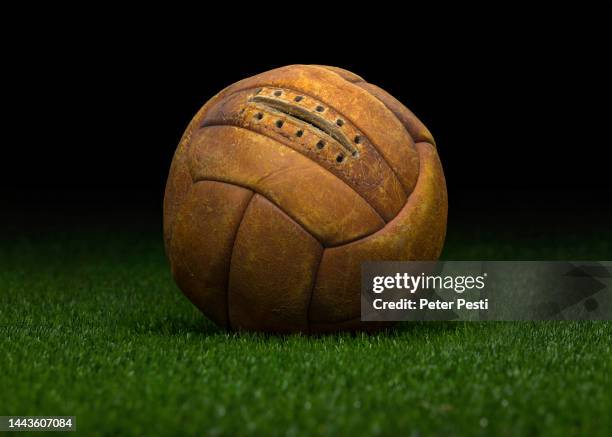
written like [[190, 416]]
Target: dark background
[[519, 111]]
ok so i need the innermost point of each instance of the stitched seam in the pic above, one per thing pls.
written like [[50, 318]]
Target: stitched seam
[[314, 285], [231, 259], [282, 210], [229, 123], [359, 83], [415, 186], [374, 146], [395, 114]]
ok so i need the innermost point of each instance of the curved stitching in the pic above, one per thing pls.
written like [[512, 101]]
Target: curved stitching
[[416, 185], [298, 222], [314, 286], [414, 139], [231, 258], [195, 181], [306, 156], [374, 146], [325, 245], [229, 123]]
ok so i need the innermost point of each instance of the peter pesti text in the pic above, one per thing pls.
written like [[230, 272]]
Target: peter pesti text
[[413, 283]]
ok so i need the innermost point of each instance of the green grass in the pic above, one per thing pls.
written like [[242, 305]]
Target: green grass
[[92, 325]]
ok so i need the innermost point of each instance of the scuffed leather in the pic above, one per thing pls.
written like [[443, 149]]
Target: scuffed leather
[[266, 231]]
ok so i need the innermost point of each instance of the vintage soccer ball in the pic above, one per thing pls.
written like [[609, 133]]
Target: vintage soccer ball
[[283, 184]]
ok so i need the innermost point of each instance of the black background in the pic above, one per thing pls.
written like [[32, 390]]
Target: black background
[[519, 111]]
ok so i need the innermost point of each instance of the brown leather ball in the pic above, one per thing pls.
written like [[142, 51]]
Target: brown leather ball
[[283, 184]]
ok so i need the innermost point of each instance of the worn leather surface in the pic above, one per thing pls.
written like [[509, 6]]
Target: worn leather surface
[[283, 184]]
